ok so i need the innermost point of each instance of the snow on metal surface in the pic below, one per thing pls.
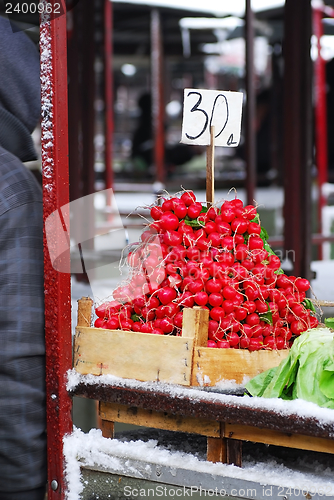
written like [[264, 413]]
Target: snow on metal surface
[[117, 456]]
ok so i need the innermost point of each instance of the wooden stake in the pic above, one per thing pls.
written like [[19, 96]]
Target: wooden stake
[[210, 168], [84, 311]]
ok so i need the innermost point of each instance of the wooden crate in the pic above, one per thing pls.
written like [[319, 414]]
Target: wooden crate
[[181, 360]]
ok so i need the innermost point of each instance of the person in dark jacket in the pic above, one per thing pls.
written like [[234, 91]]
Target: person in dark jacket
[[22, 349]]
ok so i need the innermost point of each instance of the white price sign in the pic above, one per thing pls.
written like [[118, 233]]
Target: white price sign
[[205, 108]]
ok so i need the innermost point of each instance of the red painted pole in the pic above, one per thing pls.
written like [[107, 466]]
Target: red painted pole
[[108, 93], [250, 106], [57, 285], [321, 147], [157, 96]]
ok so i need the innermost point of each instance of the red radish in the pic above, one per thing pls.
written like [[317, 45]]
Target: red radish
[[239, 225], [172, 238], [100, 323], [201, 298], [215, 299], [217, 313], [186, 299], [223, 228], [253, 319], [211, 343], [167, 205], [241, 313], [169, 221], [254, 228], [228, 306], [157, 331], [213, 285], [236, 203], [180, 210], [238, 239], [274, 262], [298, 326], [222, 266], [229, 292], [214, 239], [223, 344], [136, 327], [213, 327], [210, 227], [112, 323], [170, 310], [233, 339], [126, 324], [250, 212], [302, 284], [194, 210], [255, 345], [244, 342], [241, 252], [146, 328], [227, 214], [166, 325], [166, 295], [178, 318], [227, 242], [156, 212], [212, 213], [255, 242], [195, 286], [188, 198]]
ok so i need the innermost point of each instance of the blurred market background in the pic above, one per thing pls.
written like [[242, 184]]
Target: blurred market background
[[128, 64]]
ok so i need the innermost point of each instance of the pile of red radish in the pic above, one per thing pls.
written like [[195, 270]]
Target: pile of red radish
[[218, 259]]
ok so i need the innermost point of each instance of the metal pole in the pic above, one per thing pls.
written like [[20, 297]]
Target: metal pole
[[298, 135], [108, 93], [250, 105], [88, 97], [74, 105], [57, 285], [157, 96], [321, 147]]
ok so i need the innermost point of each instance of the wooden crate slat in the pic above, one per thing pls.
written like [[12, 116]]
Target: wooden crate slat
[[210, 366], [277, 438], [158, 420], [216, 450], [126, 354]]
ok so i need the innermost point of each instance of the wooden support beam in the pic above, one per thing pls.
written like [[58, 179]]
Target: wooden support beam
[[276, 438], [216, 450], [158, 420], [108, 429]]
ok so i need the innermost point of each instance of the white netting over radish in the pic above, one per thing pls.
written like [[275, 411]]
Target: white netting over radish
[[216, 258]]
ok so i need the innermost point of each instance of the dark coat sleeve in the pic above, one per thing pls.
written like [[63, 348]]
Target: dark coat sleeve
[[22, 350]]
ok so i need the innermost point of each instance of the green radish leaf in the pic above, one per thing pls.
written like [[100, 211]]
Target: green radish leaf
[[256, 219], [204, 209], [308, 304], [329, 322], [194, 223], [267, 316], [264, 234], [135, 317]]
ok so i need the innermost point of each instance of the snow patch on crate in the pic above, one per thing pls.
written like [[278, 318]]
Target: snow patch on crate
[[92, 449], [301, 408]]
